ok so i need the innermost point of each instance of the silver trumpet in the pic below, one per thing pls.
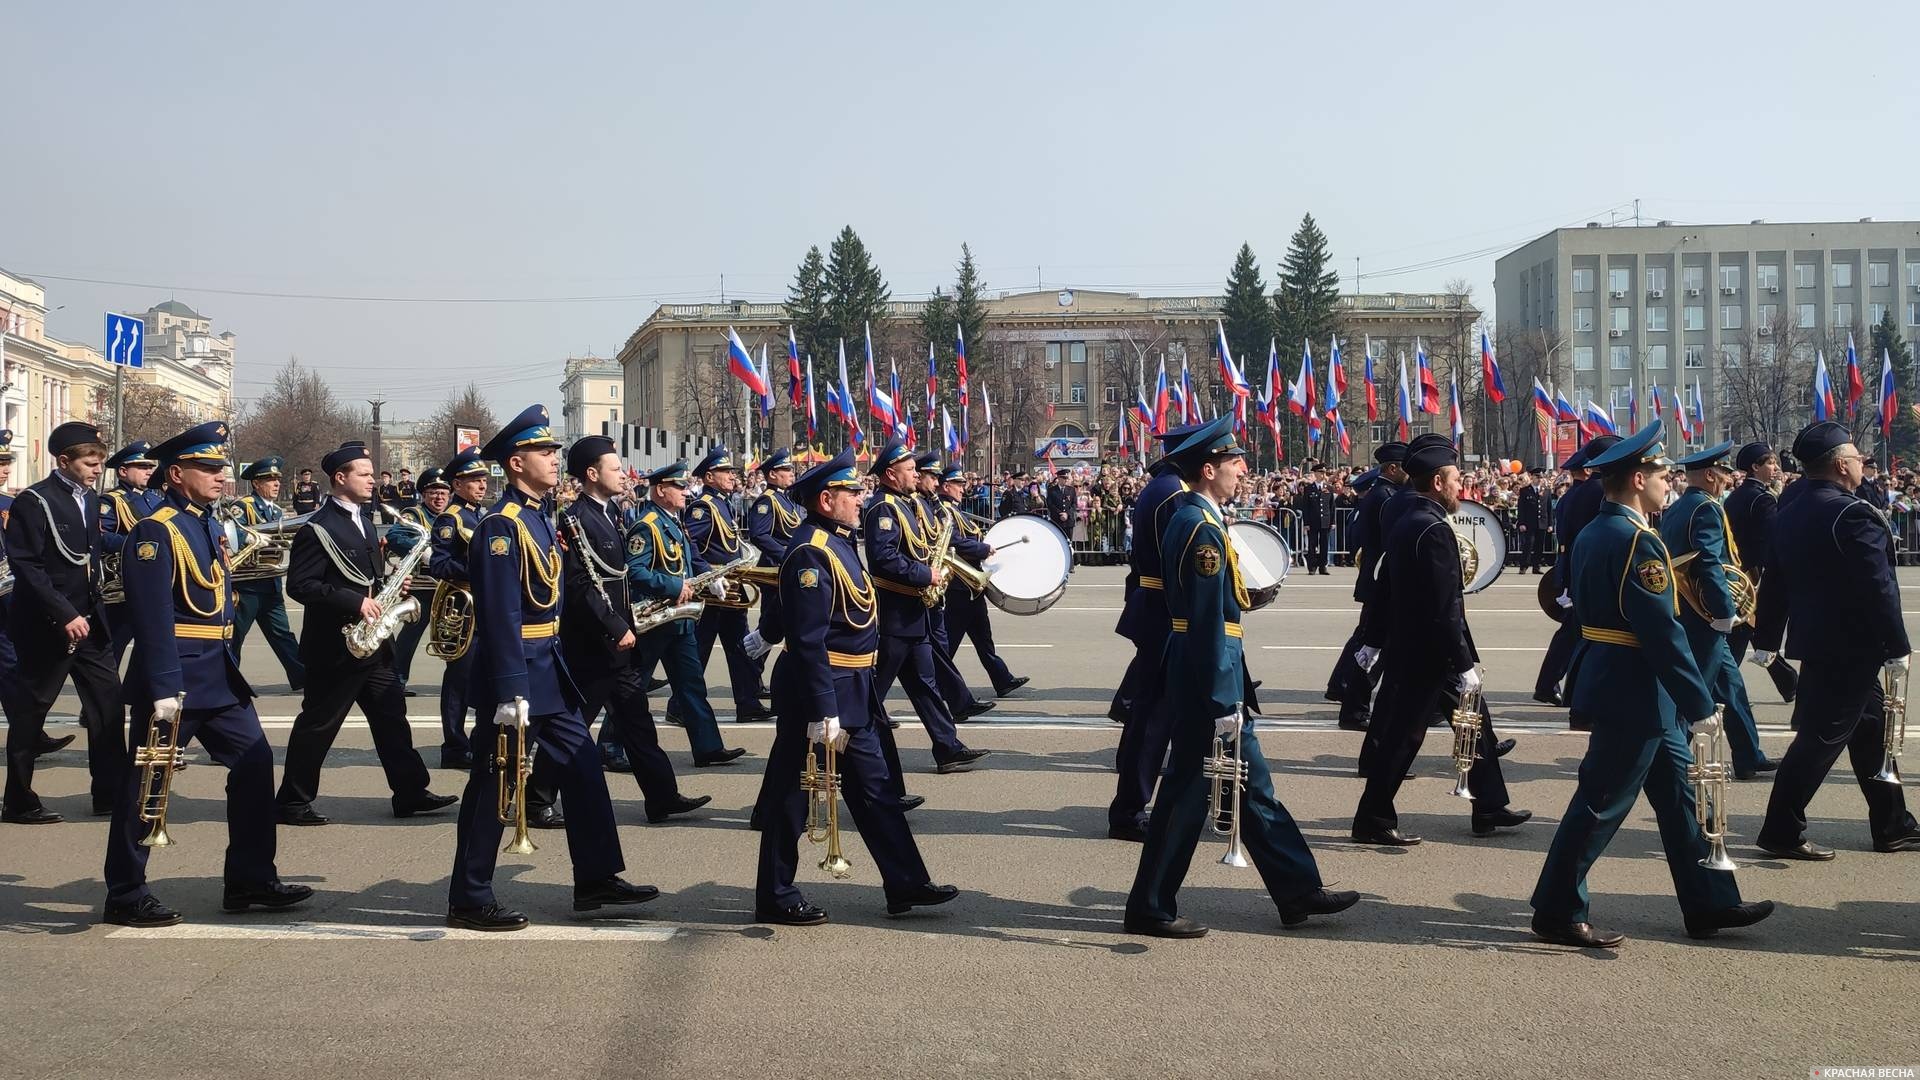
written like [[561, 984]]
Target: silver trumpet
[[1228, 772], [1893, 687], [1711, 774], [1466, 740]]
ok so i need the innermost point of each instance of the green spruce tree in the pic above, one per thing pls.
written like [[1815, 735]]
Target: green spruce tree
[[856, 292], [1306, 304], [1906, 427], [969, 307], [1246, 315]]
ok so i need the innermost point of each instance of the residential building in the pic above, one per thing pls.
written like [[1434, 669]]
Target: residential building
[[590, 391], [44, 382]]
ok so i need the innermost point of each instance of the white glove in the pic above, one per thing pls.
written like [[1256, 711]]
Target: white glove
[[1760, 658], [1469, 679], [505, 715], [826, 731], [1223, 726], [1724, 626], [718, 587], [755, 645], [1565, 599], [165, 709], [1896, 664], [1366, 657]]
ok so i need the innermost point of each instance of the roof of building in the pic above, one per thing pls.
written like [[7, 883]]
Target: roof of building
[[175, 307]]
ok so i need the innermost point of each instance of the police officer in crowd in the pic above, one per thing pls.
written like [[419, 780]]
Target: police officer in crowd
[[1533, 518], [452, 531], [262, 600], [306, 494], [1351, 684], [1314, 504], [1750, 512]]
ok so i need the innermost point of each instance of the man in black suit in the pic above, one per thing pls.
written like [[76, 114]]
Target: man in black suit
[[1314, 503], [334, 572], [1751, 508], [58, 624], [1534, 519]]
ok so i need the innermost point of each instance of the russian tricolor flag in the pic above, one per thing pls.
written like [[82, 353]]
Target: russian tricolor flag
[[1160, 399], [1189, 405], [960, 361], [1405, 403], [1889, 395], [793, 369], [1856, 387], [1490, 371], [813, 429], [1429, 389], [1373, 399], [740, 363], [1230, 376], [1822, 389], [1597, 421]]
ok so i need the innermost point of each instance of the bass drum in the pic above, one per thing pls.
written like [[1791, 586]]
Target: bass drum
[[1478, 528], [1027, 573], [1548, 595], [1265, 560]]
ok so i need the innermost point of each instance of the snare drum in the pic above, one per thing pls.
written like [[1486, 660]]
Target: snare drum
[[1027, 573], [1264, 558]]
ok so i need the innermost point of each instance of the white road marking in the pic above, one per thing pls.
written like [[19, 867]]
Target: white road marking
[[1010, 645], [305, 931], [1336, 648]]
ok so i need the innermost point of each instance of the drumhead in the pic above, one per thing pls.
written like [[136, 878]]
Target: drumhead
[[1265, 560], [1028, 571], [1479, 525]]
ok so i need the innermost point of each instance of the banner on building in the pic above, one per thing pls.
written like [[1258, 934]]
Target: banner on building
[[1058, 447]]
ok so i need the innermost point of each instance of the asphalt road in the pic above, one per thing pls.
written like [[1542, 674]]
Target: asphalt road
[[1027, 974]]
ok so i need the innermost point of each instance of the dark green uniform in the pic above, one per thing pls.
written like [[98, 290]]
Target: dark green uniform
[[1697, 522]]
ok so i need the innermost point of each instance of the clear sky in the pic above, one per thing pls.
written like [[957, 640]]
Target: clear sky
[[639, 151]]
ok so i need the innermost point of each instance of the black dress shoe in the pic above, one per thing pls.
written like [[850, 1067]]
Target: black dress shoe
[[1135, 833], [546, 817], [1577, 934], [680, 805], [1503, 818], [721, 757], [911, 802], [961, 761], [656, 684], [756, 715], [671, 717], [1317, 902], [801, 914], [144, 912], [302, 814], [272, 895], [38, 815], [1804, 851], [1549, 697], [980, 707], [1353, 721], [456, 759], [102, 809], [1705, 926], [1181, 927], [424, 803], [489, 917], [926, 895], [1018, 682], [1384, 838], [616, 762], [47, 746], [892, 724], [1504, 747], [1906, 841], [613, 891], [409, 693]]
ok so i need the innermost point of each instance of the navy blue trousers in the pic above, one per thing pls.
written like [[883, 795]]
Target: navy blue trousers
[[1840, 707], [1715, 660], [911, 661], [967, 620], [1143, 741], [674, 650], [263, 603], [623, 693], [455, 687], [952, 685], [729, 625]]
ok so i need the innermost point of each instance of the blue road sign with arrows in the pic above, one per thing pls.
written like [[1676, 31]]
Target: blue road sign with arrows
[[125, 340]]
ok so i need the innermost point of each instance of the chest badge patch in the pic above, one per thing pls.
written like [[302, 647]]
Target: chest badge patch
[[499, 545], [147, 551], [886, 524], [1653, 575], [809, 578], [1206, 560]]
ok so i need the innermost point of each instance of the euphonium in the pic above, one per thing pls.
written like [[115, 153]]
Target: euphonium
[[513, 770], [1893, 686], [1711, 774], [365, 637], [1228, 772], [1745, 599], [822, 786], [1466, 740], [449, 622], [157, 760]]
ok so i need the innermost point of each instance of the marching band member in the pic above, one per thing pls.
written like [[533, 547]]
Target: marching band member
[[596, 634], [124, 504], [897, 553], [334, 571], [262, 599], [823, 691], [660, 559], [58, 624], [770, 524], [423, 511], [1352, 683], [514, 563], [1577, 507], [1697, 522], [452, 531], [181, 608], [9, 659], [1432, 656], [1206, 695], [715, 537], [966, 610], [953, 686], [1834, 594], [1639, 684], [1750, 512]]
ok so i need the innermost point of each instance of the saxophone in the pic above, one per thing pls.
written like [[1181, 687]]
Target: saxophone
[[654, 614], [397, 606]]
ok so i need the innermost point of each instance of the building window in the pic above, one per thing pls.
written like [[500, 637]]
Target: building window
[[1913, 273], [1619, 280], [1053, 395], [613, 416], [1843, 275], [1694, 278], [1657, 357], [1879, 275], [1582, 320], [1875, 313], [1019, 359], [1621, 358], [1695, 317], [1113, 354], [1805, 276], [1622, 318], [1764, 354], [1583, 357], [613, 392], [1766, 314], [1176, 351], [1656, 279], [1730, 316], [1583, 279], [1766, 276], [1053, 355], [1729, 277], [1077, 394], [1842, 315], [1695, 357], [1805, 321], [1657, 317], [1730, 355], [1913, 313], [1110, 394], [1077, 352]]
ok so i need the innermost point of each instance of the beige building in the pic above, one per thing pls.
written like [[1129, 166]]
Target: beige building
[[590, 393], [45, 382], [187, 360]]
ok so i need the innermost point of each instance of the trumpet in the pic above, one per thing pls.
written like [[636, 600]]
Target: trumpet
[[1711, 774], [1228, 772], [156, 761], [1466, 740], [512, 802], [1893, 686], [822, 786]]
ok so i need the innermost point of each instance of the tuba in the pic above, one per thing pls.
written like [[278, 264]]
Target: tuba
[[1228, 772], [157, 761], [449, 622], [1466, 740], [1686, 573], [1711, 775], [822, 786], [365, 637], [1893, 687]]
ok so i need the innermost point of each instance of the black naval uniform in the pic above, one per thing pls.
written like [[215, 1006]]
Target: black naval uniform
[[1751, 509], [1350, 684], [1315, 506], [1533, 516]]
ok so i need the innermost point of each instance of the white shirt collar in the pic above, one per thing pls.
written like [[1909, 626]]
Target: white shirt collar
[[353, 512]]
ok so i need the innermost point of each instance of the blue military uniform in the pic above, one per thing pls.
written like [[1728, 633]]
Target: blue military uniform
[[1751, 508], [1205, 679], [180, 605], [406, 643], [946, 677], [826, 670], [263, 600], [1638, 682], [120, 509], [1833, 595], [770, 524], [1575, 509], [659, 561], [1350, 684], [713, 533], [452, 532], [1697, 522], [967, 616]]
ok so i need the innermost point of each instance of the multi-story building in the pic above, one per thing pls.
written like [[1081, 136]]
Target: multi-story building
[[1619, 307], [187, 360], [44, 382], [590, 392]]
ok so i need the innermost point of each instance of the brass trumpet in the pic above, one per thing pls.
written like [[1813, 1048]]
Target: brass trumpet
[[1466, 740], [1893, 686], [156, 761], [1711, 774], [822, 786], [512, 808], [1228, 772]]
